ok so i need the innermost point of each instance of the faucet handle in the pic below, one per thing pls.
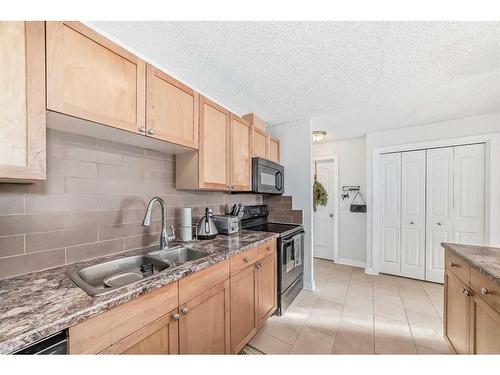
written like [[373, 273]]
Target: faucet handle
[[172, 236]]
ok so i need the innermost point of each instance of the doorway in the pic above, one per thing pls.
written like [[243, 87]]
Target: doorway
[[325, 218]]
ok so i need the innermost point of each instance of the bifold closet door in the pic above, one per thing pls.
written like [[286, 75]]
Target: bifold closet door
[[439, 224], [390, 208], [468, 192], [413, 214]]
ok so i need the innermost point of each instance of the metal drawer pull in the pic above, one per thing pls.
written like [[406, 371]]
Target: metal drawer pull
[[258, 266], [176, 316], [486, 291], [151, 131], [412, 222], [466, 292], [453, 264], [142, 129], [184, 310], [268, 248], [246, 260], [438, 223]]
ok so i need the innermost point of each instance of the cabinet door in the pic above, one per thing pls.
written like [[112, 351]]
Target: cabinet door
[[204, 323], [259, 143], [439, 225], [214, 145], [240, 157], [273, 149], [390, 211], [92, 78], [244, 305], [268, 287], [484, 328], [468, 192], [456, 319], [158, 337], [172, 109], [22, 102], [413, 214]]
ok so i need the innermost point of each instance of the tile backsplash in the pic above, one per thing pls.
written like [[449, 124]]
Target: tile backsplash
[[92, 204]]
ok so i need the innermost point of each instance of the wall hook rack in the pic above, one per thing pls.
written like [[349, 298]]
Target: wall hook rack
[[347, 189]]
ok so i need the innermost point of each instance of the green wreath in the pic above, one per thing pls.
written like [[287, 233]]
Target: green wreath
[[320, 195]]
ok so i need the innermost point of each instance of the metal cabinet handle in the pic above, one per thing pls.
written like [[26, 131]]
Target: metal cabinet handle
[[453, 264], [466, 292], [268, 248], [486, 291], [438, 223], [258, 266], [142, 129], [411, 222], [184, 310], [331, 215], [151, 131], [246, 260], [175, 316]]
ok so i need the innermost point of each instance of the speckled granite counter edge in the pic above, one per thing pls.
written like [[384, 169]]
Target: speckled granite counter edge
[[121, 295], [481, 269]]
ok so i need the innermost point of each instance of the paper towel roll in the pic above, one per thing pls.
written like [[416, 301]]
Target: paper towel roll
[[186, 230]]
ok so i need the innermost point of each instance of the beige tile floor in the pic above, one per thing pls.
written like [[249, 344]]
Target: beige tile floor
[[351, 312]]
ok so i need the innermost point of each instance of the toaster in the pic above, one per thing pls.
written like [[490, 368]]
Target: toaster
[[227, 224]]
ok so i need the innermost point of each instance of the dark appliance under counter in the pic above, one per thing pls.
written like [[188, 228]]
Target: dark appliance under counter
[[290, 252]]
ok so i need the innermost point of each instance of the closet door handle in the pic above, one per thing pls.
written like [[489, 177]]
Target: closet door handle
[[438, 223], [411, 222]]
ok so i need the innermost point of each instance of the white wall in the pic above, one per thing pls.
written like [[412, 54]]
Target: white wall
[[464, 127], [296, 156], [352, 171]]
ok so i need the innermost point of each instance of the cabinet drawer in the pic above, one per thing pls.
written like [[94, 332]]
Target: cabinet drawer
[[458, 266], [487, 289], [267, 248], [243, 260], [199, 282], [96, 334]]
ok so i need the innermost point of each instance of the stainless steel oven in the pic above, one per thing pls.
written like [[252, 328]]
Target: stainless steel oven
[[291, 269], [267, 176]]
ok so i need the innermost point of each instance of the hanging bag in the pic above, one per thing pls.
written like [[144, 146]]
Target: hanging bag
[[358, 207]]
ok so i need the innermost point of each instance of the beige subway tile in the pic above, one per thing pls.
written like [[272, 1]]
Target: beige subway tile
[[76, 168], [76, 185], [11, 245], [17, 224], [139, 242], [69, 237], [142, 162], [91, 154], [110, 146], [65, 138], [107, 232], [11, 203], [53, 185], [54, 167], [159, 176], [169, 165], [119, 173], [157, 154], [93, 250], [18, 265]]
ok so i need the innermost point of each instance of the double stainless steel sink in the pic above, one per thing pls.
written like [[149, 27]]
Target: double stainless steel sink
[[107, 276]]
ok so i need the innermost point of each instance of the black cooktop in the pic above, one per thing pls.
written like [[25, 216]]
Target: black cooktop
[[276, 228]]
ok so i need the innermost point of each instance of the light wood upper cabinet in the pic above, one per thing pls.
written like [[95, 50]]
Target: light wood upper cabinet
[[273, 149], [172, 109], [259, 143], [204, 323], [244, 307], [92, 78], [241, 146], [22, 101]]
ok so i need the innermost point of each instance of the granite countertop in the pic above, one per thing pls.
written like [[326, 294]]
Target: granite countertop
[[40, 304], [484, 259]]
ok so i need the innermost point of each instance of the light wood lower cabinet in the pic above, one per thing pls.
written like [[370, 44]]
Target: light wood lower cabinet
[[472, 317], [253, 295], [22, 101], [204, 322]]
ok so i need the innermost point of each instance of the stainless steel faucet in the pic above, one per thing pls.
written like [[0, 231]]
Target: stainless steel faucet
[[146, 222]]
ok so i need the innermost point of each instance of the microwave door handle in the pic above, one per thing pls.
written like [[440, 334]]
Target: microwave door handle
[[279, 177]]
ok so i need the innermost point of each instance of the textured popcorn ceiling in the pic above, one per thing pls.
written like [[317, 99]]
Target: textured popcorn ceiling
[[350, 77]]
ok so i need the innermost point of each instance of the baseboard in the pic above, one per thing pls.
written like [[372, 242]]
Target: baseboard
[[309, 286], [350, 262], [371, 271]]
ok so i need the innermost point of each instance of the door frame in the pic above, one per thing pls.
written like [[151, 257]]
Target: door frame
[[491, 184], [335, 188]]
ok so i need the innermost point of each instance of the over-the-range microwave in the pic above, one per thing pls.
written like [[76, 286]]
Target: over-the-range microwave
[[267, 177]]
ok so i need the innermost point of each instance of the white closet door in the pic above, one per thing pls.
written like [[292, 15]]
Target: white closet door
[[439, 225], [413, 214], [390, 203], [468, 215]]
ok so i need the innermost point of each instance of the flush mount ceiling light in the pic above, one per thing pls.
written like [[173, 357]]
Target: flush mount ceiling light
[[318, 135]]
